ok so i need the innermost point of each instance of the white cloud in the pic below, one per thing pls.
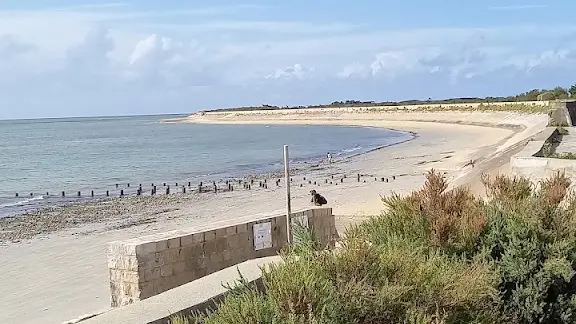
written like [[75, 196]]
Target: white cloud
[[119, 58], [291, 73], [10, 47], [352, 70]]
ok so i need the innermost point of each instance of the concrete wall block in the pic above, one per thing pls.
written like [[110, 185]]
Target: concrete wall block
[[236, 241], [231, 230], [191, 252], [221, 244], [209, 248], [147, 290], [161, 245], [199, 273], [167, 270], [220, 232], [193, 265], [174, 243], [209, 236], [146, 248], [184, 278], [214, 261], [264, 253], [167, 257], [242, 228], [151, 274], [179, 267], [192, 239], [227, 255]]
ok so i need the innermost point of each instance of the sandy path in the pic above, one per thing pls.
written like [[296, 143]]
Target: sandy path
[[57, 277]]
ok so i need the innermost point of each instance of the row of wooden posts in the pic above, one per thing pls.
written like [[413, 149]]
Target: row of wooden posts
[[247, 185]]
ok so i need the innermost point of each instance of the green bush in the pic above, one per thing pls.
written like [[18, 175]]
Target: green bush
[[434, 256]]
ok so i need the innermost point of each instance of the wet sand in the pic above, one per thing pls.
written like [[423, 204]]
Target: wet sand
[[57, 275]]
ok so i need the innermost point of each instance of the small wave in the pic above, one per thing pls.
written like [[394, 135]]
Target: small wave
[[350, 150], [22, 202]]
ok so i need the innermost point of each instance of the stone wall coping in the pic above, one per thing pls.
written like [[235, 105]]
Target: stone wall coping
[[132, 243]]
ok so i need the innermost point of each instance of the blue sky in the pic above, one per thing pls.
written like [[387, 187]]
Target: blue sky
[[80, 58]]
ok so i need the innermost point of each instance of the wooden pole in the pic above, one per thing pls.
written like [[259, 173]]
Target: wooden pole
[[288, 204]]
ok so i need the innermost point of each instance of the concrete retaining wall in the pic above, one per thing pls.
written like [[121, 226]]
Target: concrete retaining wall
[[527, 164], [563, 113], [143, 267]]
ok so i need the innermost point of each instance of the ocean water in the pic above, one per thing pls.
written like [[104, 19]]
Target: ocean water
[[94, 154]]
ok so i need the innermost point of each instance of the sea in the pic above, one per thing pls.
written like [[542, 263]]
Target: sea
[[40, 159]]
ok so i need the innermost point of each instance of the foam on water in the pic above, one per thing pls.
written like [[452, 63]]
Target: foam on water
[[22, 202]]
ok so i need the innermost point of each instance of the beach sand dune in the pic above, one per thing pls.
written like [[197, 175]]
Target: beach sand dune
[[58, 276]]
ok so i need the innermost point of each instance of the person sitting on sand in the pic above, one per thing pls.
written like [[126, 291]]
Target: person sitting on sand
[[317, 199]]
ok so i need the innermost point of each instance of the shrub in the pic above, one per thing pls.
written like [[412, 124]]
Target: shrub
[[434, 256]]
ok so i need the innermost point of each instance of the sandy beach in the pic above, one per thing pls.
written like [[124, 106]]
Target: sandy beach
[[56, 275]]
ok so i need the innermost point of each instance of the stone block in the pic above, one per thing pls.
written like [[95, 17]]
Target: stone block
[[151, 274], [233, 241], [174, 243], [230, 230], [199, 273], [227, 255], [115, 275], [167, 257], [147, 290], [167, 270], [243, 228], [221, 244], [146, 248], [130, 277], [191, 239], [209, 247], [220, 232], [209, 236], [120, 248], [130, 262], [187, 240], [161, 245], [191, 252], [183, 278], [179, 267]]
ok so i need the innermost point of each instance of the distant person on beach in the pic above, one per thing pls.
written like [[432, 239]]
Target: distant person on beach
[[329, 157], [317, 199]]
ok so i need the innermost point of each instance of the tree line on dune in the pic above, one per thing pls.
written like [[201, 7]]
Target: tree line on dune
[[558, 93]]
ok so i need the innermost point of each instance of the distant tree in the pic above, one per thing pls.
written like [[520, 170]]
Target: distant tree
[[560, 93], [572, 91]]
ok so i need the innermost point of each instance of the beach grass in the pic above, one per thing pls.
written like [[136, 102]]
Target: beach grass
[[434, 256]]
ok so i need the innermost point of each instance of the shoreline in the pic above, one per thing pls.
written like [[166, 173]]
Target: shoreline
[[39, 222], [41, 203], [74, 265]]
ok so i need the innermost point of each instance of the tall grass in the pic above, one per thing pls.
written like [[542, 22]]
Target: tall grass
[[434, 256]]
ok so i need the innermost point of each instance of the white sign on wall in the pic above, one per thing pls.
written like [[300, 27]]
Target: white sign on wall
[[262, 236]]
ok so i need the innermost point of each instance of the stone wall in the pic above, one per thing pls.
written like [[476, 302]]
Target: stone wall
[[143, 267]]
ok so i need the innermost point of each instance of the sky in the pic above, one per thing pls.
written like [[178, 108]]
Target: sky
[[99, 58]]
